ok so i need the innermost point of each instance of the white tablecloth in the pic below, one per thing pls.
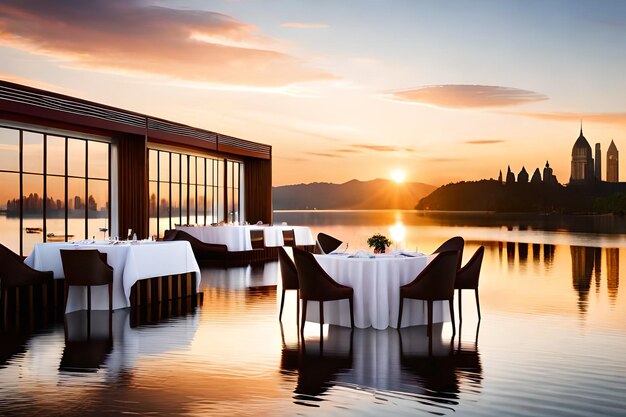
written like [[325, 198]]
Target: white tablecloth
[[376, 283], [130, 262], [237, 238]]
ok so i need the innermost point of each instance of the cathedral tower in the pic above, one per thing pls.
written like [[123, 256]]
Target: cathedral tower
[[598, 163], [582, 160], [612, 163]]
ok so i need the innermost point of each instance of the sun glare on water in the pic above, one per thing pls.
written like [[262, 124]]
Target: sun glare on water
[[398, 176]]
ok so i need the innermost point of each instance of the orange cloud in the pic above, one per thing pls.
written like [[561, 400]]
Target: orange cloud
[[129, 36], [618, 119], [484, 141], [460, 96], [298, 25], [38, 84]]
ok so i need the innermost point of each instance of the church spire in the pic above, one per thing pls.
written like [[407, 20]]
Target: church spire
[[581, 127]]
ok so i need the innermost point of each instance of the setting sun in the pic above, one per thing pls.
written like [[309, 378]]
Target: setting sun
[[398, 176]]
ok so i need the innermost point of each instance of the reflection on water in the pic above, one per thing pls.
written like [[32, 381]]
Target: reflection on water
[[550, 342]]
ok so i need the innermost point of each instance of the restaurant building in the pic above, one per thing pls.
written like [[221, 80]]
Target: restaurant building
[[75, 169]]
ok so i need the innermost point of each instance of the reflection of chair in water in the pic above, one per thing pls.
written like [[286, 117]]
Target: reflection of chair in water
[[88, 341], [434, 283], [15, 274], [11, 345], [467, 278], [318, 365], [327, 243], [317, 285], [289, 277], [439, 371]]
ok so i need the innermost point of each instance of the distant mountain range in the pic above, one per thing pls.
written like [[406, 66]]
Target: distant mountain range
[[354, 194]]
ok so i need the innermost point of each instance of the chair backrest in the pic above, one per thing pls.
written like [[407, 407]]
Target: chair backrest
[[289, 238], [15, 273], [327, 243], [315, 283], [456, 243], [288, 271], [467, 277], [85, 267], [436, 281], [170, 234], [257, 239]]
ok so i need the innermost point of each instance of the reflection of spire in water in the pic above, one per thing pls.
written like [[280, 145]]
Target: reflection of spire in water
[[500, 245], [597, 267], [582, 268], [612, 272]]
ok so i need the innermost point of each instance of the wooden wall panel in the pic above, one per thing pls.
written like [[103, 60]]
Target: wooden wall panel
[[258, 190], [133, 185]]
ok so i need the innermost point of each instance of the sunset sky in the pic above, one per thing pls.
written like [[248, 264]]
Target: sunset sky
[[443, 90]]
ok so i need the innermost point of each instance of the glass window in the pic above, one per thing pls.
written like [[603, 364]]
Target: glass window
[[175, 204], [175, 167], [153, 164], [192, 170], [98, 159], [184, 169], [201, 165], [153, 208], [164, 206], [9, 149], [32, 231], [164, 166], [55, 155], [10, 201], [32, 152], [76, 153], [55, 207], [98, 208], [200, 203], [76, 208]]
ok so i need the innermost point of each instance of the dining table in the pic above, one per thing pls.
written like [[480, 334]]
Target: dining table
[[131, 261], [237, 237], [376, 280]]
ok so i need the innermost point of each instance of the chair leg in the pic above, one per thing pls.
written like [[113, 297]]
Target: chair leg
[[66, 289], [400, 312], [460, 311], [351, 300], [304, 302], [110, 310], [429, 304], [321, 314], [5, 301], [282, 304], [451, 304], [297, 305], [88, 297], [477, 303]]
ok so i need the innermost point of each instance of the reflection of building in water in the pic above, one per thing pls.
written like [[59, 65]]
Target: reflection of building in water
[[582, 268], [523, 252], [510, 252], [548, 254], [536, 252], [612, 272], [597, 267]]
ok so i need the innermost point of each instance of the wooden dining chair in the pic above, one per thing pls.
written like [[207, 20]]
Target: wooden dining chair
[[455, 243], [467, 278], [327, 243], [257, 239], [434, 283], [15, 274], [86, 267], [289, 277], [289, 238], [317, 285]]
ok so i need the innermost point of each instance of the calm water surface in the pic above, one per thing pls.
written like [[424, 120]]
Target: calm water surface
[[551, 342]]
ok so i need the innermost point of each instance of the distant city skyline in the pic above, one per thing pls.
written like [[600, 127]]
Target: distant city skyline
[[440, 91]]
